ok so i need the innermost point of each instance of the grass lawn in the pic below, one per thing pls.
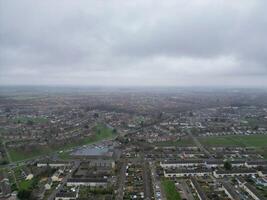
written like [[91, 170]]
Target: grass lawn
[[25, 119], [18, 154], [257, 141], [183, 143], [101, 132], [170, 190], [235, 140], [25, 184]]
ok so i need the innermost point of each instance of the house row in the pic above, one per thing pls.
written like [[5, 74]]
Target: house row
[[186, 172], [235, 172], [211, 163], [205, 172], [66, 196], [92, 182], [54, 164]]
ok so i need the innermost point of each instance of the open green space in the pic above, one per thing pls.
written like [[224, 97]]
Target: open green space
[[98, 193], [235, 140], [101, 132], [182, 143], [257, 141], [20, 154], [26, 184], [30, 120], [170, 190]]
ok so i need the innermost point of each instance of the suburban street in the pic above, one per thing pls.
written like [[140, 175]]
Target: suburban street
[[121, 180], [156, 182]]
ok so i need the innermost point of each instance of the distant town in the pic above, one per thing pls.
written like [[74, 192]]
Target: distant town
[[133, 143]]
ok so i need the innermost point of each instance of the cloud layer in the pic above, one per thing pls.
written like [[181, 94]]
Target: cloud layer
[[155, 43]]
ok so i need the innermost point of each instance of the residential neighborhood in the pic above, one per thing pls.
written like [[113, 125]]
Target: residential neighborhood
[[133, 146]]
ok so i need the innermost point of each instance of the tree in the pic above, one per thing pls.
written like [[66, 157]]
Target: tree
[[3, 162], [30, 122], [24, 194], [227, 165], [256, 127]]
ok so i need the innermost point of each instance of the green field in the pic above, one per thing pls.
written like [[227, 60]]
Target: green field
[[18, 154], [170, 190], [235, 140], [101, 132], [34, 120], [26, 184], [257, 141]]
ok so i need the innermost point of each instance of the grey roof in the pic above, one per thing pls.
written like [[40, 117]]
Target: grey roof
[[214, 161], [257, 162], [195, 161], [87, 180], [236, 171], [237, 161], [204, 170]]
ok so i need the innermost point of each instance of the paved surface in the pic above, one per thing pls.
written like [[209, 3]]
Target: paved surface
[[7, 152], [122, 177], [147, 181], [156, 182]]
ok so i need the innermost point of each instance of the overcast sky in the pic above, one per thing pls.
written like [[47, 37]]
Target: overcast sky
[[133, 43]]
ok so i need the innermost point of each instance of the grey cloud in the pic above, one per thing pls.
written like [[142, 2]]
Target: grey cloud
[[133, 42]]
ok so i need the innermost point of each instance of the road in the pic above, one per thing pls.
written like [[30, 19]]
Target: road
[[122, 177], [7, 152], [147, 180], [157, 187], [64, 181]]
